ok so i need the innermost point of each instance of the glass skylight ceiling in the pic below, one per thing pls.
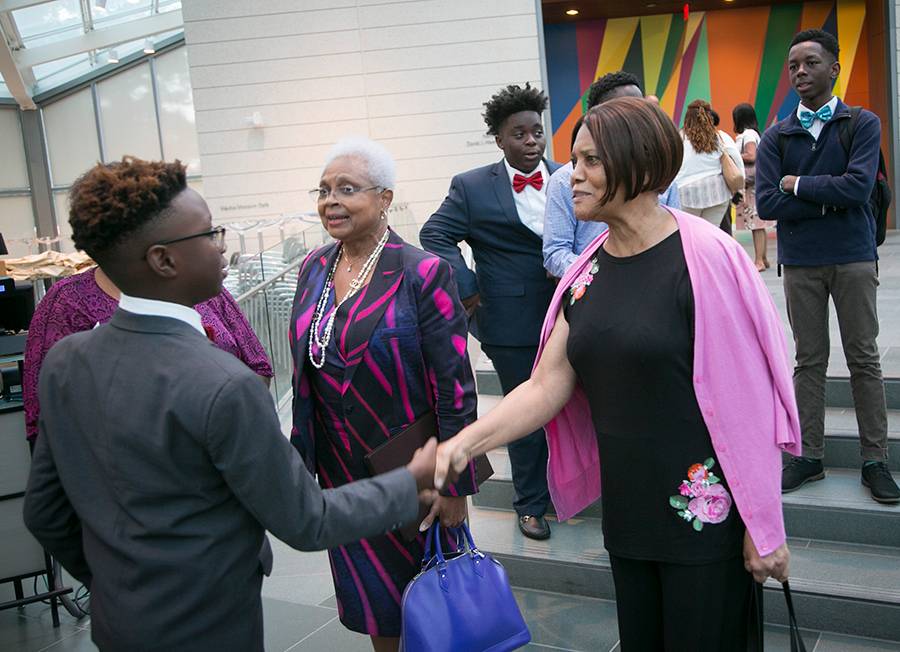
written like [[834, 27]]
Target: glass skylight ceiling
[[38, 24]]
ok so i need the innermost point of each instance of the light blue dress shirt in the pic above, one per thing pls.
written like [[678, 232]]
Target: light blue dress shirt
[[566, 237]]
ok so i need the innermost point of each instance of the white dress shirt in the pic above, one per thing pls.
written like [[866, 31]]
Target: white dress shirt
[[154, 308], [531, 202], [816, 127]]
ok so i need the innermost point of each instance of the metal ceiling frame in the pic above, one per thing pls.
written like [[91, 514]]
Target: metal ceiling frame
[[17, 60], [100, 39], [12, 5], [9, 69]]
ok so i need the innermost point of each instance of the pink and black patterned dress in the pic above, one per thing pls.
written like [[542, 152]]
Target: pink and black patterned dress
[[398, 350], [77, 304]]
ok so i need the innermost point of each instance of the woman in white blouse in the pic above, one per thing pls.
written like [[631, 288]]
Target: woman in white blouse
[[701, 184]]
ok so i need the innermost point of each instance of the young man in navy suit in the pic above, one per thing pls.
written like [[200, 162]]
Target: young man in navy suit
[[498, 210]]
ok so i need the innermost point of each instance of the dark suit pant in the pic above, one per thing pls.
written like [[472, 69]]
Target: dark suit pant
[[527, 456]]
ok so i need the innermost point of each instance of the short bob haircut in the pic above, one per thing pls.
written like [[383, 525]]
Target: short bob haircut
[[380, 167], [637, 144]]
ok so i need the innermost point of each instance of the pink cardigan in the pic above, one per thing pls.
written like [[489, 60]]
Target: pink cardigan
[[743, 386]]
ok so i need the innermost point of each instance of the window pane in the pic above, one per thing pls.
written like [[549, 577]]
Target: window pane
[[119, 11], [128, 116], [58, 72], [61, 202], [49, 22], [71, 137], [17, 219], [13, 172], [176, 109]]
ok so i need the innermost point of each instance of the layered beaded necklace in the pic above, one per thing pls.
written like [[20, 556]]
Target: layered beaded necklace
[[323, 340]]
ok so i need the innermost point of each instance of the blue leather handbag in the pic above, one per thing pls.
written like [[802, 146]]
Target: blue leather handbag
[[460, 602]]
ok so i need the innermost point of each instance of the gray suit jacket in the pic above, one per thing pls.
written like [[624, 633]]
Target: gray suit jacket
[[160, 463]]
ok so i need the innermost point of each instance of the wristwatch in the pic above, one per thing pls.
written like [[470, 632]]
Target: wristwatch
[[781, 186]]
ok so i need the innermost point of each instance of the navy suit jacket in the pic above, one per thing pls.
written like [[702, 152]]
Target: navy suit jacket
[[509, 266]]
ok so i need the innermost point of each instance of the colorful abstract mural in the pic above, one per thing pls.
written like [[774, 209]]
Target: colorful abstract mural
[[725, 57]]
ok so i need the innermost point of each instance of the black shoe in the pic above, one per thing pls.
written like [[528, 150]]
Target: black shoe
[[534, 527], [878, 479], [798, 471]]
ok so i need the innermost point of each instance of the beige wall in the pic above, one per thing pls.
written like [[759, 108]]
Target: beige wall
[[411, 74]]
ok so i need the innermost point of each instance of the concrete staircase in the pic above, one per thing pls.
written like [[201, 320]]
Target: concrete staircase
[[845, 546]]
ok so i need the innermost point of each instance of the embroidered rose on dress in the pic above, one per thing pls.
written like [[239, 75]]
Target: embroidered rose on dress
[[580, 285], [701, 498]]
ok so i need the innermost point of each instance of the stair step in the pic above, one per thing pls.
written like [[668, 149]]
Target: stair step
[[841, 435], [844, 588], [571, 623], [837, 388], [837, 508]]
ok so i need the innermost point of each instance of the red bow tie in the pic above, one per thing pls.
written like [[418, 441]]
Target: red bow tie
[[520, 181]]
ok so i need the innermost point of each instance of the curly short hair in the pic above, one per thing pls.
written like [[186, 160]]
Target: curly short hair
[[601, 88], [699, 127], [827, 40], [637, 145], [510, 100], [112, 201]]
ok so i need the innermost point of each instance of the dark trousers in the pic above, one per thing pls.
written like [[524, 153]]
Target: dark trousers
[[670, 607], [853, 288], [527, 456]]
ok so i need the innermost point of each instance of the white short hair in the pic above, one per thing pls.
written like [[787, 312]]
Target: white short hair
[[381, 168]]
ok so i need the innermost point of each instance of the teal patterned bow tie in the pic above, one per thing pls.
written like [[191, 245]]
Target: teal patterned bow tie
[[808, 117]]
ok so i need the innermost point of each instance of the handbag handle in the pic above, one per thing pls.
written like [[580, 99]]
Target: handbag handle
[[434, 551], [467, 533], [755, 629], [797, 644]]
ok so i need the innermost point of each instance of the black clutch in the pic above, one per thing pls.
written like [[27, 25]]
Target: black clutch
[[399, 450]]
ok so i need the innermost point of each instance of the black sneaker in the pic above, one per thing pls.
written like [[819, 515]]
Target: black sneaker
[[798, 471], [878, 479]]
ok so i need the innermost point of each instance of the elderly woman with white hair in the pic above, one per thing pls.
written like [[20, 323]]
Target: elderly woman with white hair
[[379, 339]]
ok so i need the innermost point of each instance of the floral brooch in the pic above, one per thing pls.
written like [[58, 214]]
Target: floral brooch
[[701, 498], [580, 285]]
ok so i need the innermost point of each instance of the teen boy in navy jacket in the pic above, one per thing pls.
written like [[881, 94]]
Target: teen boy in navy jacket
[[498, 209], [826, 242]]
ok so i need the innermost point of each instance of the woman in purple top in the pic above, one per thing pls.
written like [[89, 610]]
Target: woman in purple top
[[80, 302]]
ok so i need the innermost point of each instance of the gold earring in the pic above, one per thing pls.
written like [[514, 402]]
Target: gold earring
[[383, 215]]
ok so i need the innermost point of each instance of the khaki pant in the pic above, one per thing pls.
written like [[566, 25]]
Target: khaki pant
[[853, 288]]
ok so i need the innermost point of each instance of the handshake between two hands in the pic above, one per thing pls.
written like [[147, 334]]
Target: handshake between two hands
[[434, 466]]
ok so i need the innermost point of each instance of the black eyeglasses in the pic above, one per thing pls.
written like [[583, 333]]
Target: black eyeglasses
[[217, 234]]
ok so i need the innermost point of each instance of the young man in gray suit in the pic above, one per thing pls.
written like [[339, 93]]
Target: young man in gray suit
[[160, 460]]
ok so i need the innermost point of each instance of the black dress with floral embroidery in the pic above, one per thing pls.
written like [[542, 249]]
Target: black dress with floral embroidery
[[631, 343]]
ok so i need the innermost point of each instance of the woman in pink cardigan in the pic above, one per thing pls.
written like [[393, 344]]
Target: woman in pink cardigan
[[633, 379]]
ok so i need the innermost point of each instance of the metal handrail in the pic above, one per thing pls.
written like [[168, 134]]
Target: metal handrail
[[262, 286]]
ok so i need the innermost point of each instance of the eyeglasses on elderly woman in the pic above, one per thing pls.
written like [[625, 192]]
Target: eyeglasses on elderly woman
[[345, 191]]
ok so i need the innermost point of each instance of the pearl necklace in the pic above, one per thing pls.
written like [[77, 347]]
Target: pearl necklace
[[355, 285]]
